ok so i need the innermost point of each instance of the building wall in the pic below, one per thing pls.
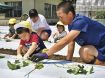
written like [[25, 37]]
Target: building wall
[[30, 4], [2, 1], [27, 5], [39, 5]]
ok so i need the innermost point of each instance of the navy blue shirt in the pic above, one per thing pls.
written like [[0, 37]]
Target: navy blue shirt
[[91, 32]]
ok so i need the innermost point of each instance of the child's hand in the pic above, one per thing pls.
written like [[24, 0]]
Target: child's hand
[[19, 56], [26, 56]]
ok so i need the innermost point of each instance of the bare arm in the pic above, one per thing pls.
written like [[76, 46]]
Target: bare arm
[[13, 36], [6, 35], [40, 30], [71, 46], [19, 49], [63, 42], [62, 34], [31, 49]]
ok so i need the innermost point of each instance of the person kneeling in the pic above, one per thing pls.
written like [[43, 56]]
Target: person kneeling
[[30, 42]]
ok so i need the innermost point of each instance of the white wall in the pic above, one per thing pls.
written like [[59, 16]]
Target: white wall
[[27, 5], [40, 4]]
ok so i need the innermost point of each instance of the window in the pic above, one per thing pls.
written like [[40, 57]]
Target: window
[[50, 11], [47, 10], [17, 9], [54, 11]]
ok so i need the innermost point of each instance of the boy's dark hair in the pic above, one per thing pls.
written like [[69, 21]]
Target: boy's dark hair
[[61, 26], [21, 30], [67, 6], [33, 13]]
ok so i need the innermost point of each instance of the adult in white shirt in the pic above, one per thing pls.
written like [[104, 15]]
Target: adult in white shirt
[[39, 24]]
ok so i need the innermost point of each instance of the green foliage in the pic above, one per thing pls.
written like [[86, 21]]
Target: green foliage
[[25, 64], [17, 64], [66, 0], [100, 15], [8, 40], [39, 66], [90, 70], [2, 57], [17, 61], [12, 66], [79, 69]]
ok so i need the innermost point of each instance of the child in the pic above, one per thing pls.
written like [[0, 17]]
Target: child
[[11, 33], [30, 42], [60, 33], [44, 35]]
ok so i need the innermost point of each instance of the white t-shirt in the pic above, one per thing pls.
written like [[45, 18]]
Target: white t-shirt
[[41, 22]]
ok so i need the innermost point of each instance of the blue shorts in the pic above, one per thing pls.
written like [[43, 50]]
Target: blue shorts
[[48, 31], [101, 50]]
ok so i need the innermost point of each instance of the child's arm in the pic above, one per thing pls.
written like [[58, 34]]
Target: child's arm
[[13, 36], [19, 49], [63, 42], [53, 36], [6, 35], [64, 33], [39, 31], [71, 46], [31, 50]]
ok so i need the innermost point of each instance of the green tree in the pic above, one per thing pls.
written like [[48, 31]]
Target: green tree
[[100, 15]]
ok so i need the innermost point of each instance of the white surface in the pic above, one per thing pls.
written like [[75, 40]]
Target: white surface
[[49, 70], [14, 44]]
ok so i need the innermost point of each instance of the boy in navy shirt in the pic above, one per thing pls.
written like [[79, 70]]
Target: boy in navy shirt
[[89, 34]]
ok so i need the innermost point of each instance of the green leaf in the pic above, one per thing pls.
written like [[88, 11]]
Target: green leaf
[[12, 66], [25, 64], [70, 71], [39, 66], [2, 57], [17, 61], [8, 40], [90, 70], [79, 69], [76, 71]]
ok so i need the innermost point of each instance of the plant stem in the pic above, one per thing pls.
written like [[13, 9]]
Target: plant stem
[[29, 72]]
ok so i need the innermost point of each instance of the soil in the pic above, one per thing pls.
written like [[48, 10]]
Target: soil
[[54, 57]]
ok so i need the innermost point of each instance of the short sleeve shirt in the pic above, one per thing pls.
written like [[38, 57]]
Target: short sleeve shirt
[[33, 38], [91, 32], [12, 31], [41, 22]]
